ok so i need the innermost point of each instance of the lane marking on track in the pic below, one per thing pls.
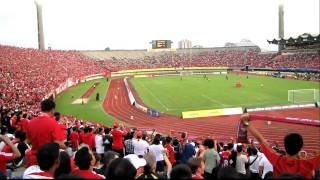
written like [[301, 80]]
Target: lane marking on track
[[155, 97]]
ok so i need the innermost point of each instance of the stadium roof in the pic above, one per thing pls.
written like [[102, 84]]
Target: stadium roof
[[302, 39]]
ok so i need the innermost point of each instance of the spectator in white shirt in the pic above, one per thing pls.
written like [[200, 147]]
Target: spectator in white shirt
[[140, 146], [241, 161], [157, 149], [254, 164], [265, 167], [99, 142]]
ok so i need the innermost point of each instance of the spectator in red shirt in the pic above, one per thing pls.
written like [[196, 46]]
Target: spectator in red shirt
[[74, 138], [88, 137], [4, 157], [42, 130], [224, 161], [23, 123], [85, 161], [63, 128], [170, 150], [289, 163], [117, 135]]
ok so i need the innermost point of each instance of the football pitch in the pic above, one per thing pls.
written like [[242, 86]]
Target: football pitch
[[173, 94]]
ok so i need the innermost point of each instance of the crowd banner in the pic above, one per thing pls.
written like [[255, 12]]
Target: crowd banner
[[310, 122], [211, 112], [153, 113], [130, 95]]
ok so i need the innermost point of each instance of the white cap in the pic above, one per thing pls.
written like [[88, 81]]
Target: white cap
[[136, 161]]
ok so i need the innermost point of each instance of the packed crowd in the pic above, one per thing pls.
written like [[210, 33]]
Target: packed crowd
[[194, 59], [297, 61], [52, 146], [26, 74], [217, 58]]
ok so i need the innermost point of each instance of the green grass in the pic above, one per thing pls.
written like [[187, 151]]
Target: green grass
[[93, 110], [173, 96]]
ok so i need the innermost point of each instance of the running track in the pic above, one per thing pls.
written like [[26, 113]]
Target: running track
[[90, 90], [117, 104]]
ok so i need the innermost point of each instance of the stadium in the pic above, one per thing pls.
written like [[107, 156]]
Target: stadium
[[193, 95]]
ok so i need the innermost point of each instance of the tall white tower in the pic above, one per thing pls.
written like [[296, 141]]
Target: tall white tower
[[40, 25], [281, 25]]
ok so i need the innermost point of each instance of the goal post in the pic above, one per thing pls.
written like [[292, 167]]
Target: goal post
[[303, 95]]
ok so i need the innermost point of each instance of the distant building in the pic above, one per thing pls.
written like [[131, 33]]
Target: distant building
[[185, 44], [197, 46], [243, 42]]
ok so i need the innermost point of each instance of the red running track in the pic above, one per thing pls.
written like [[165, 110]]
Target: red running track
[[90, 90], [117, 104]]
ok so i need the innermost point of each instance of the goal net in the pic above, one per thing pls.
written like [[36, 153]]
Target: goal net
[[186, 73], [303, 95]]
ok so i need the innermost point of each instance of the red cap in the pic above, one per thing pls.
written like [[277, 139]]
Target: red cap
[[139, 134], [115, 124]]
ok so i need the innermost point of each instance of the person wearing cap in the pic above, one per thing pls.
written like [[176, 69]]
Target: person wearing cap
[[117, 135], [137, 162], [140, 146]]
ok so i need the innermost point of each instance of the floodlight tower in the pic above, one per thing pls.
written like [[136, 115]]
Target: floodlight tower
[[281, 24], [40, 25]]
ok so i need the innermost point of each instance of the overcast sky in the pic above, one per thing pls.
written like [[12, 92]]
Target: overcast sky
[[132, 24]]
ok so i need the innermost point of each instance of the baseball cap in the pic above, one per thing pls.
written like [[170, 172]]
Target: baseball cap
[[115, 124], [136, 161], [139, 134]]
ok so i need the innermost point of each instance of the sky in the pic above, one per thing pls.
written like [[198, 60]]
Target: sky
[[132, 24]]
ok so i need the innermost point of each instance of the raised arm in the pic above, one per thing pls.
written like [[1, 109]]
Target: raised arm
[[6, 140], [255, 133]]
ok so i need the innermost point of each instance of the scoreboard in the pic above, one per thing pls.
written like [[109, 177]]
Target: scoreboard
[[161, 44]]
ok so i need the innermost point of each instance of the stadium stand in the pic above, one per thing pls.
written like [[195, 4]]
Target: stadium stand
[[28, 75]]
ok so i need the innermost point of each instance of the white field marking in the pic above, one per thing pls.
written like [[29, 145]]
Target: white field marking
[[156, 98], [213, 100], [79, 101]]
